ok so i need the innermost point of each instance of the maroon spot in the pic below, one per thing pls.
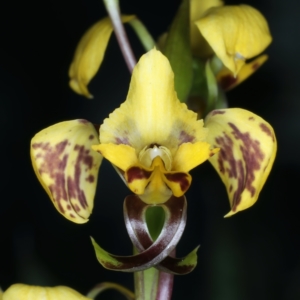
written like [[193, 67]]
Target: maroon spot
[[211, 154], [91, 178], [181, 178], [184, 137], [69, 207], [91, 137], [251, 119], [72, 216], [218, 112], [123, 140], [136, 173], [83, 121], [267, 130], [230, 188], [227, 81], [255, 66]]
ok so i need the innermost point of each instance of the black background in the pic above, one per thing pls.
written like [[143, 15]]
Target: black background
[[254, 254]]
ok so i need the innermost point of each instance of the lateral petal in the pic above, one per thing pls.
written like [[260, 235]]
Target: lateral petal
[[89, 55], [152, 113], [235, 33], [67, 168], [248, 148], [189, 156]]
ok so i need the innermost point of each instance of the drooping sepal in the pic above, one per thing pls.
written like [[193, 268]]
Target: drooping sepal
[[89, 55], [28, 292], [248, 148], [67, 167]]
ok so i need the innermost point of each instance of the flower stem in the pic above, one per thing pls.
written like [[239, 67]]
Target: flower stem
[[153, 284], [143, 34], [112, 7]]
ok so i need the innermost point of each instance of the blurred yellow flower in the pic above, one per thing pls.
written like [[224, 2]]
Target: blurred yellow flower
[[28, 292]]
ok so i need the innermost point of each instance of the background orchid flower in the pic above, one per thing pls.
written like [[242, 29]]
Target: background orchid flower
[[28, 292], [235, 33], [153, 141]]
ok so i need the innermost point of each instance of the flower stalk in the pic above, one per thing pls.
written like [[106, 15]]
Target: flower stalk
[[112, 7]]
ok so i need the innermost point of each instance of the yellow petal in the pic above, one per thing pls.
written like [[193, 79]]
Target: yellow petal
[[199, 45], [235, 33], [191, 155], [67, 167], [149, 184], [89, 55], [152, 113], [27, 292], [122, 156], [228, 81], [248, 148]]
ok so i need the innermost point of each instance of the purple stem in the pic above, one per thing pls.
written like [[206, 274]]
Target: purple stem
[[112, 7], [165, 283]]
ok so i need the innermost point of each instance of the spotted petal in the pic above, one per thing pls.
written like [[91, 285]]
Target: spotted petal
[[235, 33], [89, 55], [248, 148], [66, 166], [152, 113], [28, 292]]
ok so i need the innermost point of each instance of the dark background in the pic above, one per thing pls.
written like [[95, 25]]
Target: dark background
[[254, 254]]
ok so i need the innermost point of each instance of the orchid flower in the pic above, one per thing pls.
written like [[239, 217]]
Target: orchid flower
[[153, 141], [233, 33]]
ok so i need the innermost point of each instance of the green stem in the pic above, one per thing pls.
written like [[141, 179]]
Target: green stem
[[112, 7], [153, 284], [143, 34]]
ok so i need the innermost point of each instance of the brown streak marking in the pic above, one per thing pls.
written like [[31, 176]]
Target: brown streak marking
[[267, 130], [255, 66], [227, 81], [185, 137], [90, 178], [180, 178], [136, 173], [54, 166], [251, 119], [74, 183], [252, 156], [218, 112]]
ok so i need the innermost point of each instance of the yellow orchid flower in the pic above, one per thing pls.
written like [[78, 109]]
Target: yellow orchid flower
[[235, 33], [89, 54], [28, 292], [153, 141]]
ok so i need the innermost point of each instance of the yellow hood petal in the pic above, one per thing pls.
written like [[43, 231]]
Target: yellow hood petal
[[235, 33], [248, 148], [199, 45], [89, 55], [152, 113], [67, 167], [27, 292]]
